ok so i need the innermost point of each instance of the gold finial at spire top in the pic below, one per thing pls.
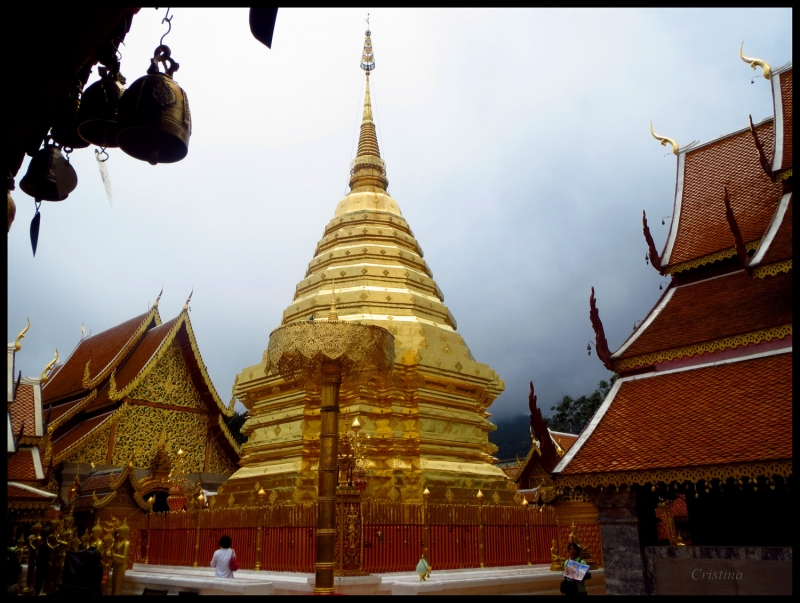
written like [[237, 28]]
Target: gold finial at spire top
[[17, 346], [332, 314], [45, 373], [664, 140], [155, 305], [367, 58], [765, 68]]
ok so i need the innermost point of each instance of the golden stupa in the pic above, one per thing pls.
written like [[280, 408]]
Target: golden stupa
[[426, 425]]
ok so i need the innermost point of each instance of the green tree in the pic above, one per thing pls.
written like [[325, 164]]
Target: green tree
[[235, 424], [573, 414]]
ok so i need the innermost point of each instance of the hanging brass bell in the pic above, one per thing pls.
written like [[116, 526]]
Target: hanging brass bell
[[50, 177], [65, 118], [154, 118], [98, 113]]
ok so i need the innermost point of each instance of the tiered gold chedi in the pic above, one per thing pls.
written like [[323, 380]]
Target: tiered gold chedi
[[427, 421]]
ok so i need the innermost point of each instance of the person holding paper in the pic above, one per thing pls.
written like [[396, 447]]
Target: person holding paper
[[576, 572]]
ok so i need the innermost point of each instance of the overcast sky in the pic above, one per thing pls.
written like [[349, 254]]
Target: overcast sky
[[516, 143]]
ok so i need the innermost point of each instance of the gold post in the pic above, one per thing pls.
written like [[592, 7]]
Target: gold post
[[326, 497], [258, 531], [147, 542], [426, 543], [526, 506], [481, 549], [195, 563]]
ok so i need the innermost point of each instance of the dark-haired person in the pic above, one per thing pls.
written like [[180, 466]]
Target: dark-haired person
[[222, 558], [570, 586]]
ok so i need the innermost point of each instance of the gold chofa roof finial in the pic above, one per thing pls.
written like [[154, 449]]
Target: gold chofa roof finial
[[765, 68], [368, 171], [664, 140], [188, 299], [46, 372], [17, 346], [158, 299]]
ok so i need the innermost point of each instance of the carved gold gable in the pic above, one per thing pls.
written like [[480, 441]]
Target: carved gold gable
[[168, 382]]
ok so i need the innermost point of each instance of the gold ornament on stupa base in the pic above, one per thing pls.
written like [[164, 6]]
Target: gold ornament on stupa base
[[427, 418]]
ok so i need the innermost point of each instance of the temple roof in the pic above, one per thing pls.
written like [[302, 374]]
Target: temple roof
[[25, 465], [27, 409], [104, 352], [693, 417], [690, 315], [699, 232]]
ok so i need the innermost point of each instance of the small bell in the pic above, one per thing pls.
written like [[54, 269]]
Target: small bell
[[154, 119], [50, 177], [99, 106]]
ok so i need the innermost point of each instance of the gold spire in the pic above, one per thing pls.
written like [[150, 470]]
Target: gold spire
[[368, 171], [17, 346], [765, 69]]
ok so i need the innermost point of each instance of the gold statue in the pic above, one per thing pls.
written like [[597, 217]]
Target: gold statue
[[20, 548], [85, 540], [97, 536], [34, 542], [107, 549], [120, 559]]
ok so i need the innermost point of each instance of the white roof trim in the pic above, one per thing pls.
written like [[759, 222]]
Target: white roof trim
[[10, 437], [37, 462], [777, 220], [11, 359], [562, 433], [647, 321], [777, 103], [607, 403], [598, 416], [36, 383], [782, 68], [676, 209], [32, 489]]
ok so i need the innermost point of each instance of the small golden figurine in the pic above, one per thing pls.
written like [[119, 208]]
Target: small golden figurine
[[423, 569], [557, 564], [97, 536], [107, 548], [34, 542], [120, 559]]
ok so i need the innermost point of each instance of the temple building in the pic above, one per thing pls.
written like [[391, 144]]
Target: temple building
[[428, 423], [32, 488], [129, 406], [699, 423]]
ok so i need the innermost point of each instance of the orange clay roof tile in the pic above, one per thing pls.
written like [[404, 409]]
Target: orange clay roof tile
[[24, 409], [100, 349], [21, 467], [737, 412], [15, 492], [732, 162], [786, 98], [716, 308], [564, 440]]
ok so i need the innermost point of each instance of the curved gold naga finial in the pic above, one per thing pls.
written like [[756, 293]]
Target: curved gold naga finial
[[158, 299], [664, 140], [188, 299], [46, 372], [765, 68], [17, 346]]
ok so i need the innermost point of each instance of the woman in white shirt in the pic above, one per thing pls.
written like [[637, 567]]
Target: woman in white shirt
[[222, 558]]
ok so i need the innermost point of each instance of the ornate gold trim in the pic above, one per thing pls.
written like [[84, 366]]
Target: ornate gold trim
[[29, 504], [229, 436], [123, 353], [784, 175], [772, 269], [105, 424], [72, 412], [17, 344], [676, 475], [702, 348], [100, 503], [708, 259], [227, 411]]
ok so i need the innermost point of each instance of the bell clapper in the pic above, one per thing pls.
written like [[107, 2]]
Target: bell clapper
[[101, 156], [35, 227]]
